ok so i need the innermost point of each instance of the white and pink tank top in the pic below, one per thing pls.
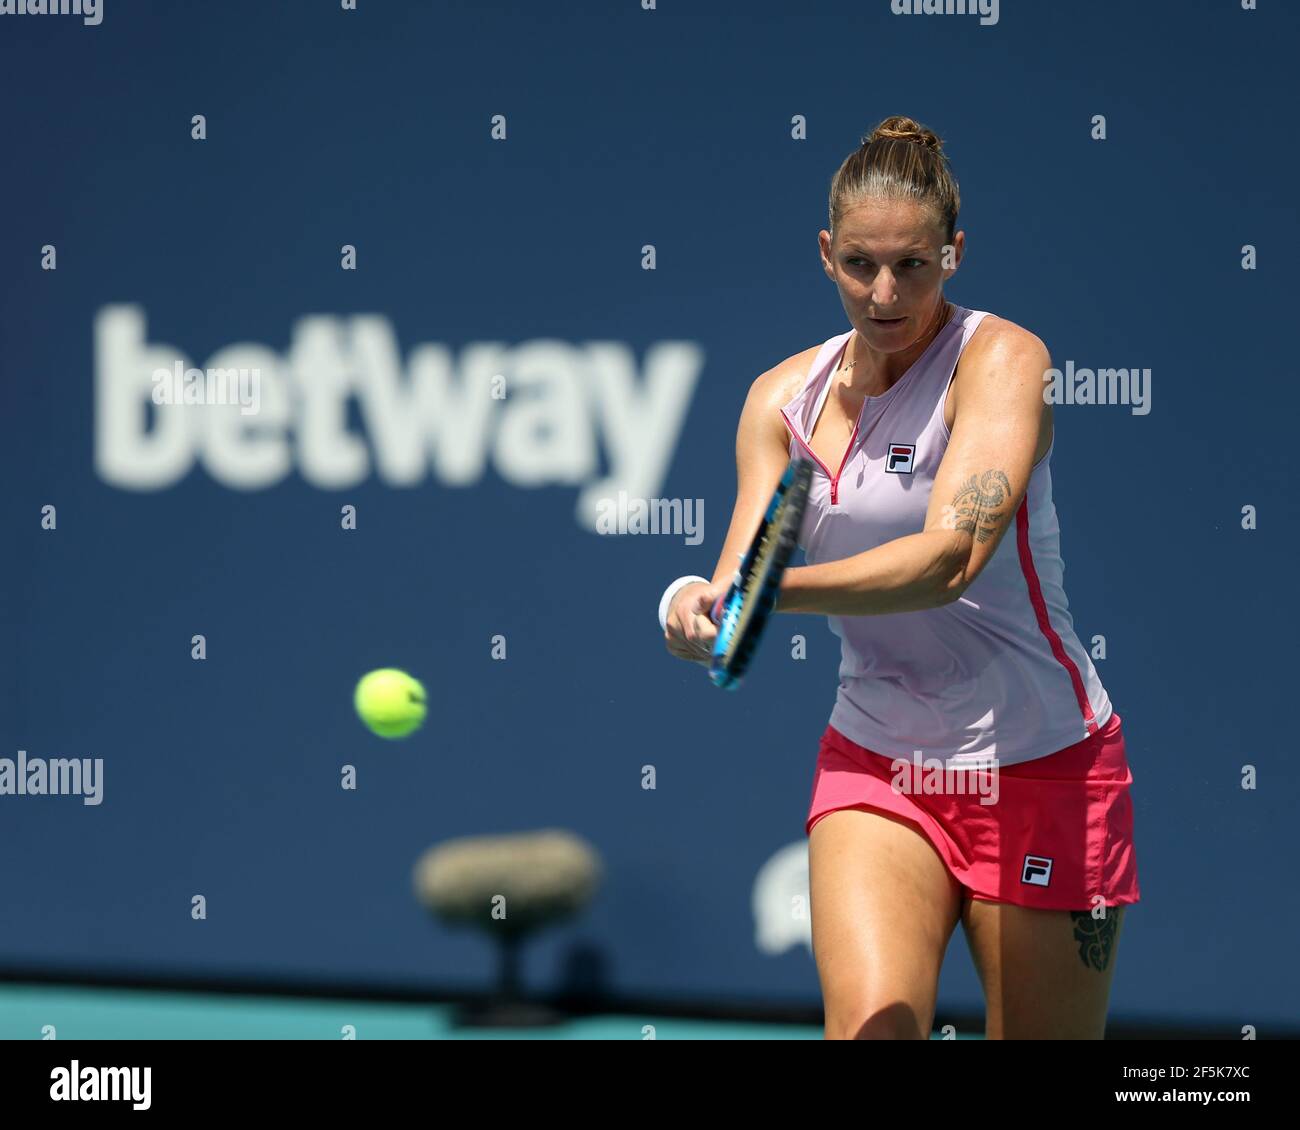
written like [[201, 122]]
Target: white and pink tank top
[[998, 673]]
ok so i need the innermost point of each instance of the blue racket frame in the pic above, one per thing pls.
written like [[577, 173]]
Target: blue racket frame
[[740, 623]]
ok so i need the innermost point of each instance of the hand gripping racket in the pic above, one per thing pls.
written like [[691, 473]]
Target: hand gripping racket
[[742, 611]]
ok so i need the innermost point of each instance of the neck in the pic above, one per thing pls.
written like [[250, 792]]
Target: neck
[[873, 373]]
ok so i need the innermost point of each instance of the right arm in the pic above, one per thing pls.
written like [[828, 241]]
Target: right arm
[[762, 455]]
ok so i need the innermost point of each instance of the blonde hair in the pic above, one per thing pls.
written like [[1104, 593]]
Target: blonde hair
[[899, 159]]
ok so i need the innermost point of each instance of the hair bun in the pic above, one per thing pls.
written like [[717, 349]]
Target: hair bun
[[904, 129]]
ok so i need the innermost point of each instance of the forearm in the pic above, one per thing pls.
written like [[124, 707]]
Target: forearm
[[908, 574]]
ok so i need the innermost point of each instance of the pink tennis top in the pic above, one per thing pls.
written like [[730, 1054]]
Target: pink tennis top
[[998, 673]]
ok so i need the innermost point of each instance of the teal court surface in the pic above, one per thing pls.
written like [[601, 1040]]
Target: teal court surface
[[27, 1012], [146, 1014]]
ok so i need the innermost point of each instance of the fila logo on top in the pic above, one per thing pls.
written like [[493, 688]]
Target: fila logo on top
[[899, 459], [1037, 871]]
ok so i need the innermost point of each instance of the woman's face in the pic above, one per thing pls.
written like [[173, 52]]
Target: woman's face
[[888, 262]]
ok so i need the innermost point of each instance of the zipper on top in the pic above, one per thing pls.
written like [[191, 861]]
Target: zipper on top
[[835, 478]]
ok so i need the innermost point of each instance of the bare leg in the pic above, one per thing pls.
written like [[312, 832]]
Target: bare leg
[[1046, 973], [884, 907]]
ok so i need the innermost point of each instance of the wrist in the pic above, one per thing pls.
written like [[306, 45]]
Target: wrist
[[670, 594]]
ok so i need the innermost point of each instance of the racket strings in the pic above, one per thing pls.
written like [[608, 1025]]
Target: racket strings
[[758, 575], [756, 588]]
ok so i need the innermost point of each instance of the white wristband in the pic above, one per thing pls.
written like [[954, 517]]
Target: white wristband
[[666, 601]]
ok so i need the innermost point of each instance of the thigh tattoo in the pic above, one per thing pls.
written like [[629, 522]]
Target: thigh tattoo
[[1096, 937]]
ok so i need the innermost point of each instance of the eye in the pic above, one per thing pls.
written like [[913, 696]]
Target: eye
[[912, 264]]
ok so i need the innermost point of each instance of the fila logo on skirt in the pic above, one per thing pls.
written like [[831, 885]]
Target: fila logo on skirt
[[1037, 871]]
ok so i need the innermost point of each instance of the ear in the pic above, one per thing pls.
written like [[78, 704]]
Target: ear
[[959, 245]]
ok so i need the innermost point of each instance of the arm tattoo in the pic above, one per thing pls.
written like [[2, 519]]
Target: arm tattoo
[[1096, 938], [977, 505]]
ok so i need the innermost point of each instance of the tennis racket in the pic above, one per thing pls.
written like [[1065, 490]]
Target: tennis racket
[[742, 611]]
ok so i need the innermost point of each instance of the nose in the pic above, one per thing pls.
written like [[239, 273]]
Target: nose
[[884, 289]]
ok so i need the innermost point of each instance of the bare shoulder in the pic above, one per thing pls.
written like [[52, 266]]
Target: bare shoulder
[[1001, 337], [761, 426], [777, 387], [997, 348]]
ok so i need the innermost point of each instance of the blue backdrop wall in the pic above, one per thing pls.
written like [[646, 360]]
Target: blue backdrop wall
[[523, 256]]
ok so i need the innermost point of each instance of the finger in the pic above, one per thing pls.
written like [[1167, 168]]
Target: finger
[[681, 650], [706, 631], [703, 600], [688, 629]]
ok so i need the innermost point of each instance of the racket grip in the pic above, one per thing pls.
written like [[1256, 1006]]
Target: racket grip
[[715, 613]]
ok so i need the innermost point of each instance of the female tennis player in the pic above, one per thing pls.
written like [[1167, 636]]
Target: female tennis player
[[933, 547]]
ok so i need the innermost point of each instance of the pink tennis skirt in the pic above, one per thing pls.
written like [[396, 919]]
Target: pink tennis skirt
[[1052, 833]]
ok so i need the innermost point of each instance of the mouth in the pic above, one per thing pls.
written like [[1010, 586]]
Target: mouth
[[886, 322]]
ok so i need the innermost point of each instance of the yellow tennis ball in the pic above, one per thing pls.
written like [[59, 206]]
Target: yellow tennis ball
[[390, 702]]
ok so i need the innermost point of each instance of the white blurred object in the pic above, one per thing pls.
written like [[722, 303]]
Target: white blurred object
[[782, 908]]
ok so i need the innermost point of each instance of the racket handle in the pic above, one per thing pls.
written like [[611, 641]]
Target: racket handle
[[715, 613]]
